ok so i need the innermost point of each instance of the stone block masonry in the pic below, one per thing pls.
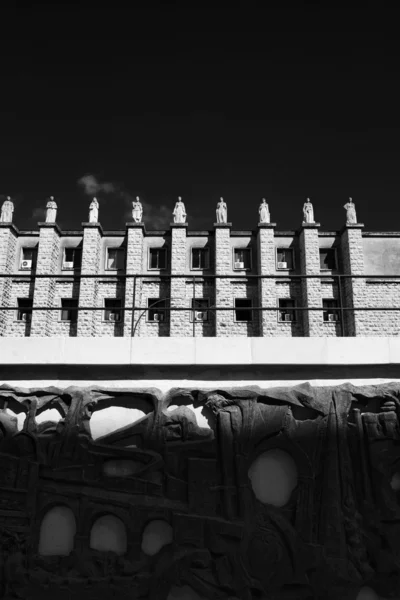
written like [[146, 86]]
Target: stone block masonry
[[311, 288], [355, 291], [179, 320], [8, 245], [43, 322], [134, 261], [268, 321], [223, 288], [216, 282], [88, 295]]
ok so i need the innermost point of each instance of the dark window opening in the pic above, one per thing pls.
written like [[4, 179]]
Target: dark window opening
[[115, 259], [112, 309], [331, 310], [157, 309], [327, 259], [28, 258], [243, 310], [286, 310], [24, 312], [242, 258], [284, 258], [69, 310], [72, 258], [200, 309], [158, 258], [200, 258]]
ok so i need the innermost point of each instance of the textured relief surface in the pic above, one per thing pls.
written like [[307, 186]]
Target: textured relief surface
[[284, 493]]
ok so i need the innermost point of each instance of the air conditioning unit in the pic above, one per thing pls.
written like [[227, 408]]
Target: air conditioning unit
[[158, 317], [288, 317], [26, 264], [114, 317], [69, 264], [201, 316], [332, 317], [239, 265], [282, 265]]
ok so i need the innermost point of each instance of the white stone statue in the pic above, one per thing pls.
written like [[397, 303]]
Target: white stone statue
[[7, 211], [51, 210], [308, 212], [137, 210], [179, 212], [222, 211], [94, 211], [351, 216], [263, 211]]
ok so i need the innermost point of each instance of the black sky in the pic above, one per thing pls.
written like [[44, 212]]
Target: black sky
[[182, 99]]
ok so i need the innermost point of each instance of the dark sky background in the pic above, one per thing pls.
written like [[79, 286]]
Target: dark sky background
[[185, 99]]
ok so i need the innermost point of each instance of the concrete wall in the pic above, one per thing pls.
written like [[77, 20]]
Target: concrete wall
[[381, 254], [191, 363]]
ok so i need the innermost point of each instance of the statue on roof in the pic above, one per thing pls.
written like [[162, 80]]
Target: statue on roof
[[51, 210], [137, 210], [7, 210], [94, 211], [222, 211], [308, 212], [179, 212], [351, 216], [263, 211]]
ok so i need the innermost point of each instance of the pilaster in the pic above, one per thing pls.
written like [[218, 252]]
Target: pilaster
[[223, 266], [266, 287], [134, 266], [44, 288], [180, 325], [310, 288], [88, 291], [354, 289], [8, 244]]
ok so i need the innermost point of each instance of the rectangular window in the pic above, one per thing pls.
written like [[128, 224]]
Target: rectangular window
[[331, 310], [200, 309], [24, 312], [72, 258], [241, 258], [327, 259], [286, 312], [200, 258], [68, 309], [115, 259], [28, 258], [157, 258], [156, 309], [243, 310], [284, 258], [112, 309]]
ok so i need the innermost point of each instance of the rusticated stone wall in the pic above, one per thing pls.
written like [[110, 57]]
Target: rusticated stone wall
[[236, 494]]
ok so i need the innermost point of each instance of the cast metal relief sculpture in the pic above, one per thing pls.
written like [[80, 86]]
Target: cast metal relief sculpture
[[308, 212], [7, 210], [179, 213], [222, 211], [280, 493], [263, 212], [94, 211], [51, 210], [137, 210], [351, 216]]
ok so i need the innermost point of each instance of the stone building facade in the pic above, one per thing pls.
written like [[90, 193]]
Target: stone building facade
[[180, 282]]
